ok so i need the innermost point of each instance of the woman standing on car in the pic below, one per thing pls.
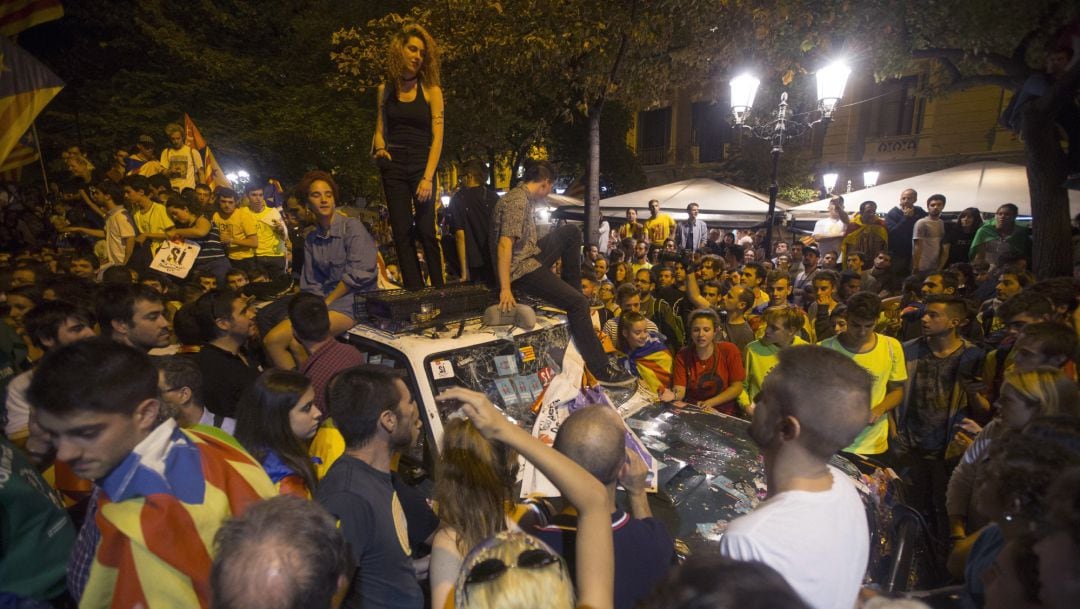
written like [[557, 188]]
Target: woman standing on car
[[406, 147]]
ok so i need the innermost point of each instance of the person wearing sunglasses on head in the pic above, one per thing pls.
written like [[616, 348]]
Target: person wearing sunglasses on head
[[515, 570]]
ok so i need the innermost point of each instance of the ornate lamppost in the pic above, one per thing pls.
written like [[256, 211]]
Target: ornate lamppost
[[831, 81]]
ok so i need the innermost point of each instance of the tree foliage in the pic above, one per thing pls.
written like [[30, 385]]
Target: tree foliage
[[253, 76]]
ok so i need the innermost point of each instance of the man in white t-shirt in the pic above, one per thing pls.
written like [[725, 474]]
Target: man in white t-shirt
[[829, 232], [182, 164], [812, 529], [928, 238]]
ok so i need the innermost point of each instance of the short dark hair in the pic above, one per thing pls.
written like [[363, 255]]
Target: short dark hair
[[309, 316], [92, 259], [1011, 207], [864, 306], [357, 397], [137, 183], [1054, 338], [714, 581], [182, 371], [827, 275], [538, 171], [96, 375], [253, 186], [955, 305], [158, 180], [112, 190], [776, 275], [212, 306], [1062, 291], [847, 276], [183, 203], [116, 274], [201, 186], [759, 269], [1028, 302], [800, 390], [935, 197], [186, 327], [625, 292], [284, 552], [116, 302], [43, 321], [225, 192]]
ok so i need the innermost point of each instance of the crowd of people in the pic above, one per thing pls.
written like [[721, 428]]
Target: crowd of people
[[168, 443]]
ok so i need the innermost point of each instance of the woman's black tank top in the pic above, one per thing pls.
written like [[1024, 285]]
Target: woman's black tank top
[[408, 124]]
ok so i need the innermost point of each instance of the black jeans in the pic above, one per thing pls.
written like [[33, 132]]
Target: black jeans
[[273, 265], [565, 243], [409, 218]]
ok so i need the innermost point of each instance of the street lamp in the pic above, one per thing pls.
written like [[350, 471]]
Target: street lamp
[[829, 180], [869, 178], [831, 81]]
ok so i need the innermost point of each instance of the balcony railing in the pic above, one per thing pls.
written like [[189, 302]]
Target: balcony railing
[[653, 156]]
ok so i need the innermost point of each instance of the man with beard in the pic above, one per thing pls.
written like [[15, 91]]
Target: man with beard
[[133, 314], [377, 417], [227, 319], [812, 529]]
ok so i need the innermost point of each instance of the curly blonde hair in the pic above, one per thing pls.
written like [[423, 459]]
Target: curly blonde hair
[[395, 64]]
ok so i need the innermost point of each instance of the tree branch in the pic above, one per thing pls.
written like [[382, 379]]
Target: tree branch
[[951, 58], [982, 80]]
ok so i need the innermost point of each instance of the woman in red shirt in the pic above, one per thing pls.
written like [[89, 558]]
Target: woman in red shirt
[[707, 372]]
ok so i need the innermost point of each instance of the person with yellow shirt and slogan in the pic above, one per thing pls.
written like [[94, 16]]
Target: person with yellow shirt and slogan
[[659, 227], [272, 254], [238, 230]]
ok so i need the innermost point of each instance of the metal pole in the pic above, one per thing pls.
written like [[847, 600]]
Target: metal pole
[[41, 159], [774, 187]]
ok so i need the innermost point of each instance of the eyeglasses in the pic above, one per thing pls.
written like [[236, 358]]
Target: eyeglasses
[[494, 568]]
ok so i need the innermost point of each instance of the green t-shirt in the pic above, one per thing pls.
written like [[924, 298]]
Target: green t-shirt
[[36, 534]]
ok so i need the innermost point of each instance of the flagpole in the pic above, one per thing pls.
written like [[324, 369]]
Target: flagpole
[[41, 158]]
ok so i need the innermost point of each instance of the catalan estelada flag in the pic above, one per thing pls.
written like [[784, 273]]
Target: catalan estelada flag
[[18, 15], [24, 153], [26, 87], [213, 176], [158, 512]]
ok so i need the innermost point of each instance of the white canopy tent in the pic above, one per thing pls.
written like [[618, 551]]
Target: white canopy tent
[[720, 203], [984, 185]]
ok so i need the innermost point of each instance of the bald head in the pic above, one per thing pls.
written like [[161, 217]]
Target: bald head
[[594, 438], [284, 553]]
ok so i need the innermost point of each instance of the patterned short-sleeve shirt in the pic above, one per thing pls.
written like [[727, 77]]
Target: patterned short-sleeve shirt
[[513, 218]]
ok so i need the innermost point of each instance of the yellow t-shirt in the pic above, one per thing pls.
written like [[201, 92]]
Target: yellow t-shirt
[[659, 229], [240, 225], [885, 362], [758, 361], [271, 242]]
